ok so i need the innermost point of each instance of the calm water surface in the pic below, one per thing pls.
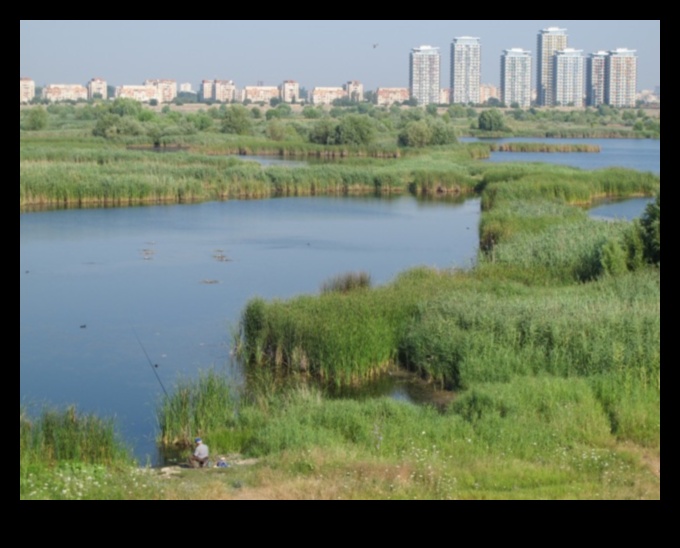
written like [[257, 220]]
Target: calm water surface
[[178, 277], [640, 154]]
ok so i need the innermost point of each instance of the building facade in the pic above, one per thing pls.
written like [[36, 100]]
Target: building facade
[[166, 89], [568, 77], [549, 41], [326, 95], [595, 78], [64, 92], [143, 94], [290, 91], [516, 77], [96, 88], [424, 74], [466, 66], [26, 90], [206, 91], [488, 91], [354, 90], [621, 77], [260, 94], [224, 91], [389, 96]]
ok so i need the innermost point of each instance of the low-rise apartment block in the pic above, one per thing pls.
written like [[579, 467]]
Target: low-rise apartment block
[[354, 90], [390, 96], [326, 95], [166, 89], [64, 92], [260, 94], [290, 91], [224, 91], [26, 90], [96, 88], [143, 94], [488, 91]]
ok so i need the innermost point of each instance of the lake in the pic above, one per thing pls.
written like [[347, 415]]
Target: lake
[[178, 276], [100, 289]]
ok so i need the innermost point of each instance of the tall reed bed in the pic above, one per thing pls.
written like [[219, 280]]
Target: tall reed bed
[[56, 435], [195, 407], [576, 331], [571, 186]]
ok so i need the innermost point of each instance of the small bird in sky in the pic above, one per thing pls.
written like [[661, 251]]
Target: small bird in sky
[[375, 46]]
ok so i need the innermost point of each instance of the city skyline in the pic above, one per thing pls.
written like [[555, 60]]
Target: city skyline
[[249, 52]]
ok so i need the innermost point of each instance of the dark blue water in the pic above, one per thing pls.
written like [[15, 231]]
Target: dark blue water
[[179, 276]]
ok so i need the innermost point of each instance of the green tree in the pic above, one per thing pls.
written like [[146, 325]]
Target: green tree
[[237, 120], [431, 109], [442, 133], [276, 130], [415, 134], [355, 129], [651, 230], [125, 107], [36, 119], [323, 132], [491, 120], [312, 112]]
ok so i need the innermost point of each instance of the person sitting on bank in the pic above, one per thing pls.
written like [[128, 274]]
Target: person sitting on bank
[[200, 457]]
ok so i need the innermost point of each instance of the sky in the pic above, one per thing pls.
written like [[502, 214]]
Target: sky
[[314, 53]]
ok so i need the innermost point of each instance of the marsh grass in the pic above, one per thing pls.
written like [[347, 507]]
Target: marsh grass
[[68, 435], [195, 407], [344, 283]]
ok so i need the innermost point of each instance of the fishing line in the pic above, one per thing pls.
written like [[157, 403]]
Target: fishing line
[[153, 367]]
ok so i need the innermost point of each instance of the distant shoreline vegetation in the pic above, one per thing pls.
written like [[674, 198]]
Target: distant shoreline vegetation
[[99, 154]]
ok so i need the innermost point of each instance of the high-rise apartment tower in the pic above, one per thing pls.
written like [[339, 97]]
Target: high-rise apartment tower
[[466, 64], [595, 78], [424, 74], [568, 77], [516, 77], [549, 41], [621, 78]]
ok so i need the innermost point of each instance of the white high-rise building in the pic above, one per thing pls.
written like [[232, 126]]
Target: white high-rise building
[[516, 77], [549, 41], [424, 74], [595, 78], [568, 77], [621, 78], [466, 66]]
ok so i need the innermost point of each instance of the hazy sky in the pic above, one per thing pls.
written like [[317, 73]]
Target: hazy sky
[[315, 53]]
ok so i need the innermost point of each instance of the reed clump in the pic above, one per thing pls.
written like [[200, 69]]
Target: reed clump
[[67, 435], [344, 283], [544, 147], [195, 407]]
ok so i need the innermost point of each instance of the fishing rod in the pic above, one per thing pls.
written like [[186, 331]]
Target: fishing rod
[[153, 367]]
